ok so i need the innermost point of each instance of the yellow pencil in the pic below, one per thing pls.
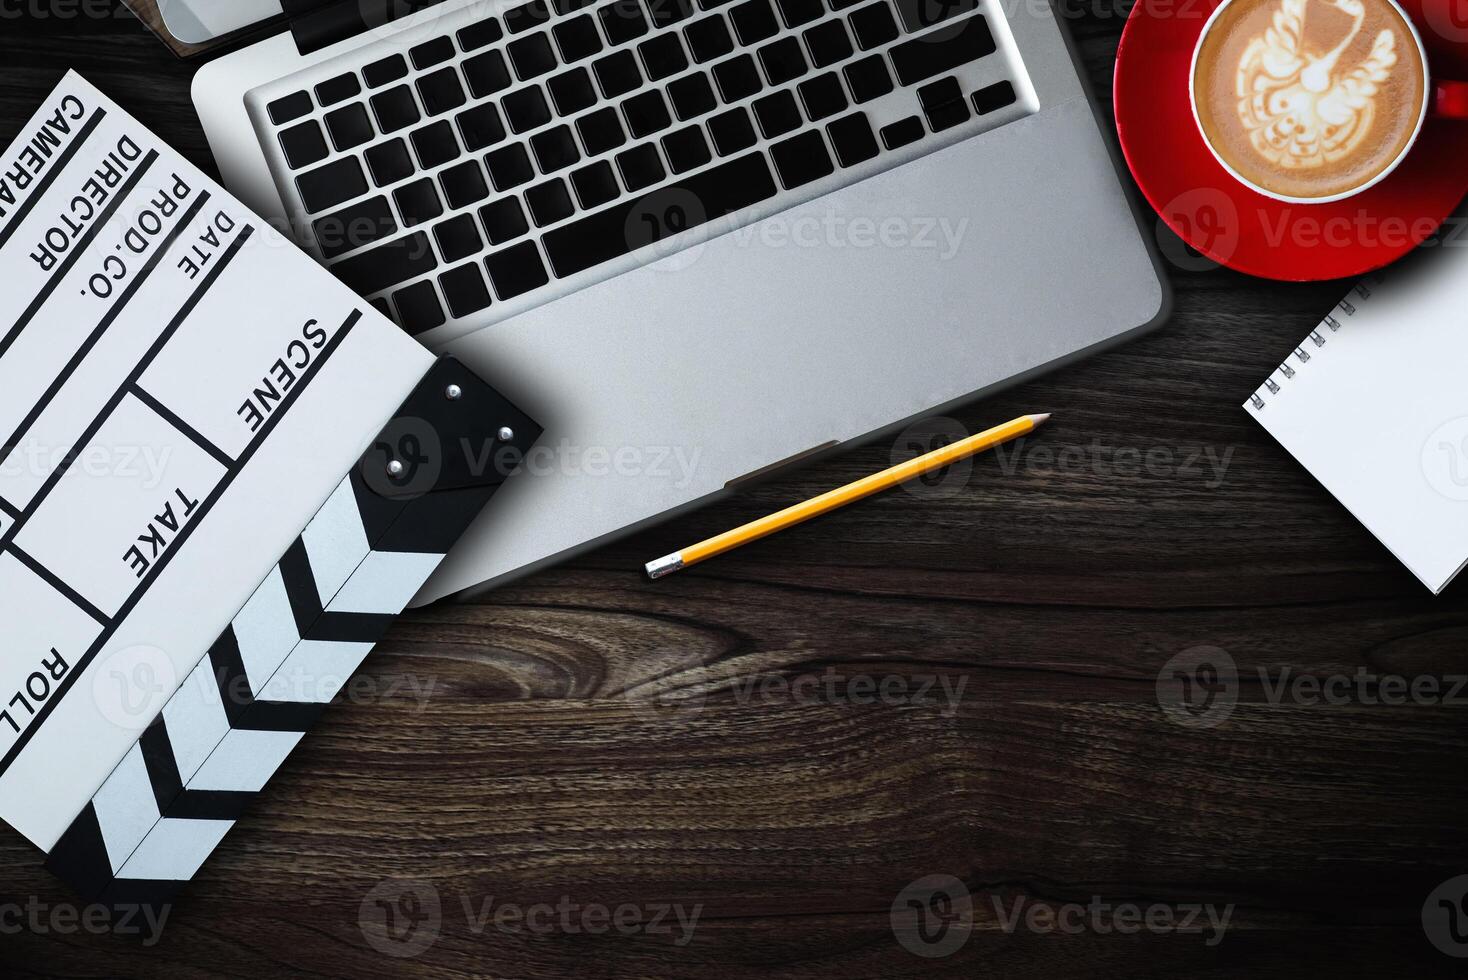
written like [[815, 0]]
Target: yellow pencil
[[852, 492]]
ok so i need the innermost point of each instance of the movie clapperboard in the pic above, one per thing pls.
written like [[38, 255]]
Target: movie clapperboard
[[223, 477]]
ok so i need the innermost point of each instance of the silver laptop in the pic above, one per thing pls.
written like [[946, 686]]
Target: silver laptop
[[697, 239]]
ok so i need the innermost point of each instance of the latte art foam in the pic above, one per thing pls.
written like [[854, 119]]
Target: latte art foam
[[1309, 98]]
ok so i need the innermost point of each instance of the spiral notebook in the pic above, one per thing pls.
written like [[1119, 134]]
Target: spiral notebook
[[1374, 403]]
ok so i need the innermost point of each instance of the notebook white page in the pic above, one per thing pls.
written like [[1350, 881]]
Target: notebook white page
[[1374, 403], [180, 390]]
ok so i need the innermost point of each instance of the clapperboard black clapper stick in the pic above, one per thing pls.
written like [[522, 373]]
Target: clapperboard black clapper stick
[[232, 723]]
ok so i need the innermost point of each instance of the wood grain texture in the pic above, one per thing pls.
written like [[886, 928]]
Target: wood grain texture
[[585, 736]]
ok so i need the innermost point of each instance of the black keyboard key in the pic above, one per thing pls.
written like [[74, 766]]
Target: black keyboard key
[[395, 109], [939, 93], [387, 265], [389, 162], [641, 167], [692, 96], [732, 131], [600, 131], [380, 305], [290, 108], [526, 16], [902, 132], [435, 144], [303, 145], [503, 220], [667, 12], [418, 307], [595, 185], [596, 238], [686, 149], [349, 126], [947, 116], [840, 5], [564, 7], [646, 113], [737, 78], [441, 91], [335, 183], [431, 53], [386, 71], [354, 226], [487, 74], [617, 74], [802, 159], [526, 109], [782, 61], [753, 21], [662, 56], [919, 15], [622, 21], [920, 58], [708, 39], [777, 114], [828, 44], [555, 149], [509, 166], [873, 25], [480, 35], [338, 89], [458, 238], [464, 289], [992, 97], [853, 139], [572, 91], [577, 38], [516, 270], [868, 78], [463, 184], [480, 127], [532, 56], [418, 202], [798, 12]]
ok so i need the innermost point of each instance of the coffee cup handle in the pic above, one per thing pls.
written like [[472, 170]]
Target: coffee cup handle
[[1450, 100]]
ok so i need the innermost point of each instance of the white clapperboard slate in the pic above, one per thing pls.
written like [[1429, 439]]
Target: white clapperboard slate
[[223, 475]]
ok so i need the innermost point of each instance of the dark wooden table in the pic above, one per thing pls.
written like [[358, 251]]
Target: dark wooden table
[[589, 751]]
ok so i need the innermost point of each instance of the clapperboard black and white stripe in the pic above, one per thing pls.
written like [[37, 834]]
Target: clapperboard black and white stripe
[[296, 641]]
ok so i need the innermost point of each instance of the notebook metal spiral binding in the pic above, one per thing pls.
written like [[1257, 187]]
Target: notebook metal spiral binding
[[1332, 321]]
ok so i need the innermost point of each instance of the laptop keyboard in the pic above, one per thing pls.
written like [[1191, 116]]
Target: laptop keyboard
[[509, 154]]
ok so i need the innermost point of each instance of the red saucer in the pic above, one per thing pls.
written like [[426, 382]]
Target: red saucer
[[1245, 230]]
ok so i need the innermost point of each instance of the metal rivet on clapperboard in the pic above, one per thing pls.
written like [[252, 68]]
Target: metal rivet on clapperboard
[[395, 468], [453, 393], [506, 433]]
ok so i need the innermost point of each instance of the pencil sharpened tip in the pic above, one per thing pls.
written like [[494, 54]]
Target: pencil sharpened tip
[[1040, 419], [666, 565]]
